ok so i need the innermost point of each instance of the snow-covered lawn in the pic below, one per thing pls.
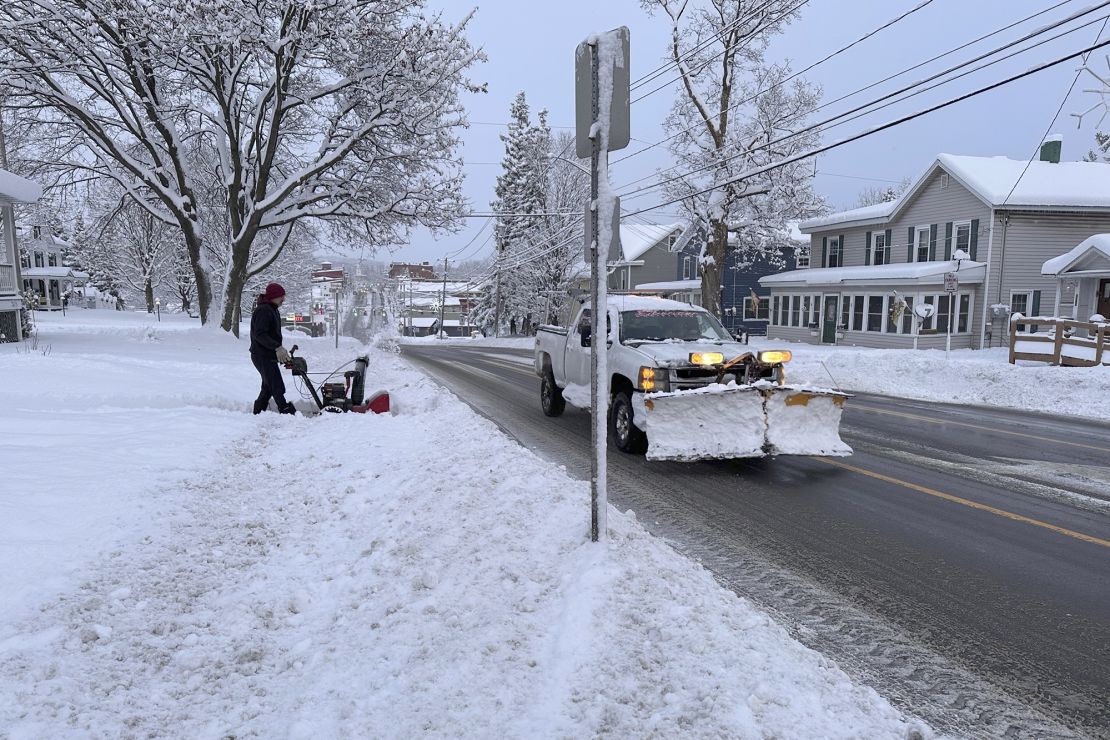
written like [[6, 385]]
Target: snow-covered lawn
[[976, 377], [182, 568]]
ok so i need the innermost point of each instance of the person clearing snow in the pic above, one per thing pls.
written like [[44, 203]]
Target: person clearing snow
[[266, 350]]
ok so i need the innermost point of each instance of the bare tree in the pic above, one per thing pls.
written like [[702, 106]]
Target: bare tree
[[344, 111], [731, 107], [887, 194]]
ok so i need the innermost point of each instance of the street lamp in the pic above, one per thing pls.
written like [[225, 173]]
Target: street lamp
[[158, 307]]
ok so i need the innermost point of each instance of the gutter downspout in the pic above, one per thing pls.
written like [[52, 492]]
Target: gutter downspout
[[987, 286]]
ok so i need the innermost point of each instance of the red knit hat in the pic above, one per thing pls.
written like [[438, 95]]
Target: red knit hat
[[273, 292]]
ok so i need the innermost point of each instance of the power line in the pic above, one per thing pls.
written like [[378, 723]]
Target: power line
[[877, 104], [876, 129], [819, 62], [858, 90], [667, 66], [705, 63]]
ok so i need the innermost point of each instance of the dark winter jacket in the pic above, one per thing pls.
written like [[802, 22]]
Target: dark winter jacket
[[265, 331]]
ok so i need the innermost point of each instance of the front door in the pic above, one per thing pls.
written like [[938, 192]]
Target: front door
[[1104, 298], [828, 319]]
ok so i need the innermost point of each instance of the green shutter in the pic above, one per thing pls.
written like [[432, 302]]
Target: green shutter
[[948, 241], [886, 250], [1036, 310], [867, 249], [840, 255], [933, 243], [909, 245], [824, 251], [973, 246]]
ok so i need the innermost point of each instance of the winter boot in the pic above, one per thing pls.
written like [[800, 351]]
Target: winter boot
[[288, 408], [260, 406]]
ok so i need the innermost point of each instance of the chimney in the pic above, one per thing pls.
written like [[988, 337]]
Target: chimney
[[325, 265], [1050, 149]]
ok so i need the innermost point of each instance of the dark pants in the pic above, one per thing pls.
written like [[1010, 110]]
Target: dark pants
[[272, 384]]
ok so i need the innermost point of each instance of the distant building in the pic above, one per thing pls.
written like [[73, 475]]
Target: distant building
[[327, 282], [43, 271], [405, 270]]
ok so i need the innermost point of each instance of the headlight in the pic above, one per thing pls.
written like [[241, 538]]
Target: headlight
[[706, 358], [775, 356], [652, 379]]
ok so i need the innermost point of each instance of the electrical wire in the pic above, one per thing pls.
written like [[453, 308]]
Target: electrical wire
[[876, 129], [756, 32], [877, 104], [851, 94]]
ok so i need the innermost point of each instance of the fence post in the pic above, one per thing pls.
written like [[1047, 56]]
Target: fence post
[[1058, 345], [1013, 341]]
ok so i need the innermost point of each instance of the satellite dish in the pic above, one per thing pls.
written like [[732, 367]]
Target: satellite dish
[[924, 311]]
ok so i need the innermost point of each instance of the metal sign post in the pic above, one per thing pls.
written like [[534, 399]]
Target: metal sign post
[[951, 285], [602, 116]]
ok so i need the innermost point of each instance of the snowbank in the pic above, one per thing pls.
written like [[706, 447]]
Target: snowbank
[[365, 576], [971, 377], [498, 342]]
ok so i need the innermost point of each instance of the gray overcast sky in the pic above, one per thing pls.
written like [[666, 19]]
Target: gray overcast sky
[[531, 45]]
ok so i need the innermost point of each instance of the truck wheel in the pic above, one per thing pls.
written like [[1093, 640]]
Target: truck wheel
[[551, 396], [626, 435]]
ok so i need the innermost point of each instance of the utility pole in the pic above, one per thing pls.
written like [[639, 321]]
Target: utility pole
[[497, 297], [443, 299]]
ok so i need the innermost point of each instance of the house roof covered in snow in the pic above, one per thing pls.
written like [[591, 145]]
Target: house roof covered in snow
[[53, 272], [1000, 182], [639, 238], [16, 189], [917, 273], [1092, 255]]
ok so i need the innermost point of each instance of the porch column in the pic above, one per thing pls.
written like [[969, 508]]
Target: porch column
[[1056, 303]]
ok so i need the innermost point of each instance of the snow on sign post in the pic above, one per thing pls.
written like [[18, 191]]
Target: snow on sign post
[[602, 115], [951, 285]]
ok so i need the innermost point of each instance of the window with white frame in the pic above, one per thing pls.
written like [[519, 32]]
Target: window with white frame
[[39, 261], [845, 312], [961, 237], [857, 313], [689, 268], [775, 310], [1021, 301], [760, 312], [795, 309], [875, 312], [921, 244], [24, 260], [52, 260], [880, 250], [835, 253], [801, 258]]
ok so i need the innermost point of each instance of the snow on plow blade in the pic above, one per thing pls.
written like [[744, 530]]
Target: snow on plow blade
[[722, 422]]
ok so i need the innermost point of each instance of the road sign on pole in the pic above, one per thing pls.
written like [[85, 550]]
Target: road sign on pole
[[951, 282], [585, 94], [602, 116]]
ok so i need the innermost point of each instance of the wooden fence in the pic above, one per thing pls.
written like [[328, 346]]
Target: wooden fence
[[1060, 342]]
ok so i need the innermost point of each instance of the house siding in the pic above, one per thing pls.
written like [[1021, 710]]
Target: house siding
[[1023, 241]]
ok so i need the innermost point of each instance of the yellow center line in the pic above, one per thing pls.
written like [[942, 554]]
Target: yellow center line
[[996, 430], [966, 502]]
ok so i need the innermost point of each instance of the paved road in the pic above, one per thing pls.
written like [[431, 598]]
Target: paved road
[[959, 562]]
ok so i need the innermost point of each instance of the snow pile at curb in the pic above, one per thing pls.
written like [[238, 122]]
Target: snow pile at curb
[[498, 342], [971, 377], [393, 576]]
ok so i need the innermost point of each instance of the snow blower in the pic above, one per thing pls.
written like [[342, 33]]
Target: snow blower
[[340, 397]]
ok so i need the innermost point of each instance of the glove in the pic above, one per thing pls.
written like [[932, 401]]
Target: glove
[[282, 355]]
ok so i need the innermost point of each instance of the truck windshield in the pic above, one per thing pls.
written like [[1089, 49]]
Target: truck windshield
[[653, 325]]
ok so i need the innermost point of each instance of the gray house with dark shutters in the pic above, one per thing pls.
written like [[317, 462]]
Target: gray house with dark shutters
[[991, 221]]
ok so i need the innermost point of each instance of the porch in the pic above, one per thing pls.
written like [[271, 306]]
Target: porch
[[52, 285]]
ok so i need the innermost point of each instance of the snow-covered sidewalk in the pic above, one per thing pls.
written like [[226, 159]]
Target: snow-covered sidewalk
[[351, 576]]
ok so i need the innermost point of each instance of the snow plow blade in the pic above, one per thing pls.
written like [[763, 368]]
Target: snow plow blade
[[724, 422]]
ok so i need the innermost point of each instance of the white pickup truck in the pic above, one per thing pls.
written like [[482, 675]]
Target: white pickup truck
[[682, 388]]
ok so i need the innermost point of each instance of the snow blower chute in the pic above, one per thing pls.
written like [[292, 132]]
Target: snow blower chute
[[743, 419], [341, 397]]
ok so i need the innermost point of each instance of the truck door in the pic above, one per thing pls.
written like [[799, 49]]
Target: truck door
[[577, 358]]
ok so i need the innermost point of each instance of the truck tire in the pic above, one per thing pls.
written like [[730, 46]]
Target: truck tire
[[625, 434], [551, 395]]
